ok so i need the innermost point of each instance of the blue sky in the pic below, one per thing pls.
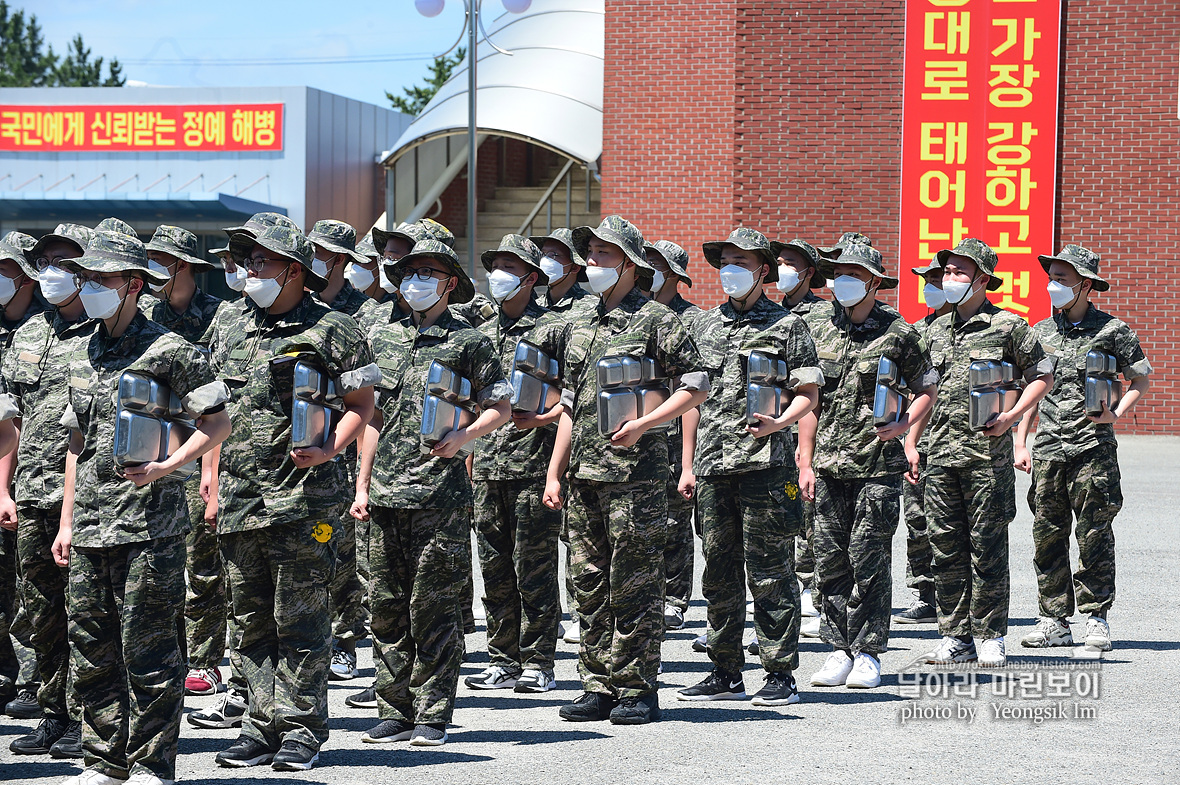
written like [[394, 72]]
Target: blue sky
[[180, 44]]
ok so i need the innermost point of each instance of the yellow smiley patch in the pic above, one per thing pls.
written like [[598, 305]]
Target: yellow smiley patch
[[322, 532], [792, 491]]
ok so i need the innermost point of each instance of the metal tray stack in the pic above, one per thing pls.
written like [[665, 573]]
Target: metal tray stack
[[766, 393], [313, 398], [1102, 383], [629, 388], [889, 398], [995, 388], [534, 379], [150, 424], [447, 406]]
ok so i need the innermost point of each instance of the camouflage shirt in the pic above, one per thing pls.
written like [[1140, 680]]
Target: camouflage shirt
[[725, 338], [846, 445], [348, 300], [9, 327], [404, 477], [191, 325], [36, 370], [373, 312], [687, 311], [1064, 431], [509, 453], [991, 334], [576, 297], [253, 352], [923, 328], [637, 327], [812, 309], [108, 509], [480, 309]]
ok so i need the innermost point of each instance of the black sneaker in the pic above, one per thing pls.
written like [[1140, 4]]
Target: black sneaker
[[717, 686], [226, 712], [921, 610], [47, 732], [388, 731], [637, 711], [70, 744], [432, 735], [365, 699], [752, 647], [779, 690], [244, 752], [590, 707], [294, 756], [24, 706]]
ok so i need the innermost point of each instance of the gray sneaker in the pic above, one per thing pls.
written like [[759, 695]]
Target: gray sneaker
[[1098, 633], [1048, 632], [533, 680], [227, 712], [343, 666]]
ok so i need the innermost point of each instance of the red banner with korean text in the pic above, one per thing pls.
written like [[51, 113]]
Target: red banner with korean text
[[979, 141], [149, 128]]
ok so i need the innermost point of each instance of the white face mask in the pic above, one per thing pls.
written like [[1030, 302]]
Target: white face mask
[[599, 279], [236, 280], [320, 267], [156, 267], [502, 285], [359, 277], [421, 296], [736, 281], [383, 279], [935, 297], [263, 291], [657, 281], [552, 268], [848, 290], [957, 292], [99, 301], [788, 279], [57, 285], [7, 289], [1060, 294]]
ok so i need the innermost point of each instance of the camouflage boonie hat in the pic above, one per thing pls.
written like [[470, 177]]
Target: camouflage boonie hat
[[748, 240], [177, 242], [519, 246], [566, 238], [1081, 259], [9, 251], [616, 230], [862, 256], [931, 266], [979, 252], [435, 249], [116, 252], [808, 251], [74, 234], [366, 248], [116, 225], [438, 231], [411, 233], [674, 255], [846, 239], [287, 242], [23, 243], [259, 223], [337, 237]]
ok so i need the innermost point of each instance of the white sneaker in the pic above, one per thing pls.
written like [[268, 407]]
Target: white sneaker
[[952, 650], [991, 653], [147, 778], [494, 677], [673, 618], [866, 672], [533, 680], [1098, 633], [572, 635], [809, 628], [1048, 632], [91, 777], [834, 672], [806, 605]]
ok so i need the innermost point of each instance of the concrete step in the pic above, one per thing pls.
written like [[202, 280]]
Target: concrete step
[[523, 206]]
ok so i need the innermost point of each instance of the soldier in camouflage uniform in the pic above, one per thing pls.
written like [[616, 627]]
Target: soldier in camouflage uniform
[[35, 368], [670, 262], [970, 495], [365, 276], [517, 534], [278, 506], [116, 225], [1075, 464], [742, 475], [419, 499], [917, 543], [122, 529], [618, 500], [852, 468]]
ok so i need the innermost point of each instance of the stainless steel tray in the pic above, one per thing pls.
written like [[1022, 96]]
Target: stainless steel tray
[[1100, 363], [615, 407], [1101, 390], [762, 399], [141, 393], [983, 408], [138, 438], [310, 424]]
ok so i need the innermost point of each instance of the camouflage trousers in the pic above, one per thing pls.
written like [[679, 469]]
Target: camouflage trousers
[[278, 578], [617, 533], [854, 523], [347, 593], [17, 661], [680, 547], [125, 603], [516, 536], [43, 592], [205, 608], [967, 517], [417, 559], [749, 521], [1087, 488], [917, 540]]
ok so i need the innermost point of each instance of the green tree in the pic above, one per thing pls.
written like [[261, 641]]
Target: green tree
[[25, 61], [416, 98]]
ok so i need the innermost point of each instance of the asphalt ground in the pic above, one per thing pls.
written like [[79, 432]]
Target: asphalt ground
[[1113, 720]]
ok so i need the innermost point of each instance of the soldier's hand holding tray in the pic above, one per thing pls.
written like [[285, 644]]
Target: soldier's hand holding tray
[[306, 457], [144, 473], [449, 445], [527, 420], [1107, 417], [999, 425], [768, 425]]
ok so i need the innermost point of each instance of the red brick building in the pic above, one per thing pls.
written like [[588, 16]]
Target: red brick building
[[787, 118]]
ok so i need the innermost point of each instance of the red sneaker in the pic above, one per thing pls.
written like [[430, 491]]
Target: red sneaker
[[203, 681]]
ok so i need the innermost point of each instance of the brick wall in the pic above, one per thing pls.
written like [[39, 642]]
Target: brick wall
[[805, 120]]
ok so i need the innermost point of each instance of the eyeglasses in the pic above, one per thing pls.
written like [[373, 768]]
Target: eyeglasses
[[426, 274], [390, 256], [256, 264], [43, 262], [102, 279]]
